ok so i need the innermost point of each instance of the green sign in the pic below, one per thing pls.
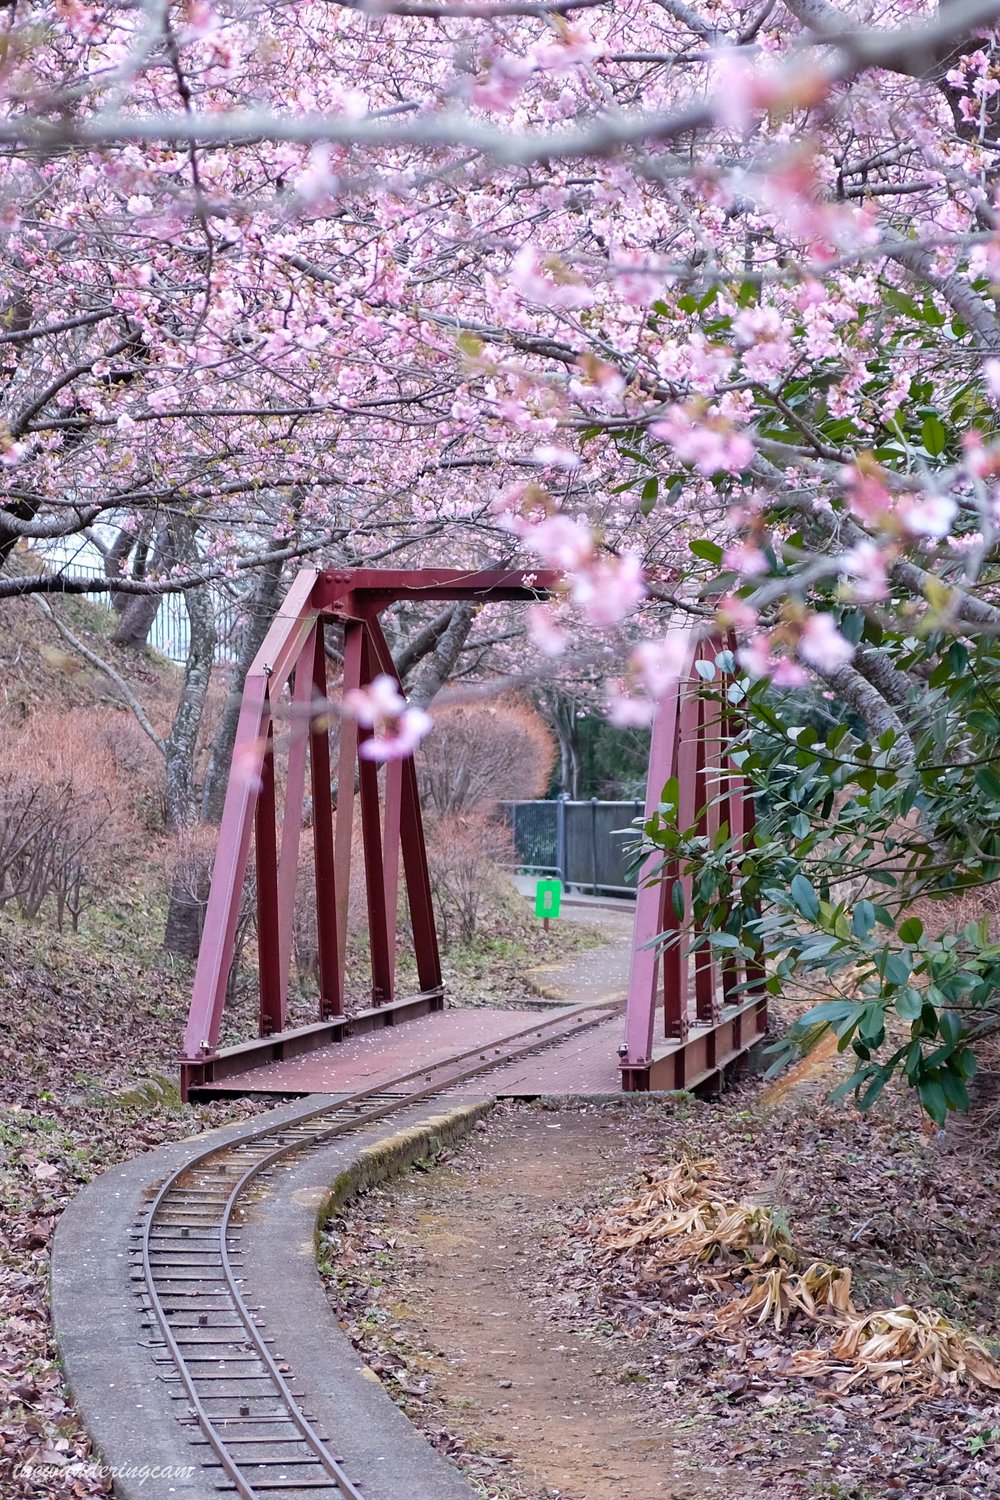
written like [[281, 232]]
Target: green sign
[[548, 898]]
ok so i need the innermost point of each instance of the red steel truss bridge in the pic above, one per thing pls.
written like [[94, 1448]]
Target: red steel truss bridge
[[688, 1016]]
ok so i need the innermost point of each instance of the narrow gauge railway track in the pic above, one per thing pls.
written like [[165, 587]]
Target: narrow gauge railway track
[[257, 1437]]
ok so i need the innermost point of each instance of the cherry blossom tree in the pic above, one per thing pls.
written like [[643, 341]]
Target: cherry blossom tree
[[697, 303]]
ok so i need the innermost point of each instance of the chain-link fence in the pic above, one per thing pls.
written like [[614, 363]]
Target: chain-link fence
[[588, 845]]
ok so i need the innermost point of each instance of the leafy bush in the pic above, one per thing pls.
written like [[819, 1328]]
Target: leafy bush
[[856, 833]]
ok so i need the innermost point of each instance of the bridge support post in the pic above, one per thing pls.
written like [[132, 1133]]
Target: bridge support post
[[331, 989]]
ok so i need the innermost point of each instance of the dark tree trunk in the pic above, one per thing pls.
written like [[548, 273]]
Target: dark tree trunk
[[138, 611], [185, 917], [560, 710], [182, 740], [15, 317], [418, 646], [440, 662], [137, 621], [115, 558], [21, 510]]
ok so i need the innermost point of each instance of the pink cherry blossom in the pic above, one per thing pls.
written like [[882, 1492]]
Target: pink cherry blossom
[[546, 634], [381, 699], [865, 564], [869, 497], [743, 558], [562, 541], [367, 340], [626, 712], [734, 613], [549, 282], [764, 336], [399, 737], [708, 442], [610, 589], [554, 456], [931, 515], [658, 664], [380, 706], [822, 645]]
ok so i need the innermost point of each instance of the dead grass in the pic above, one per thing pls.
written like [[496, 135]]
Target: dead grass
[[676, 1218]]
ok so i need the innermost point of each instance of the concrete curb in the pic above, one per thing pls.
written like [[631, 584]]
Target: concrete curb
[[109, 1369], [393, 1154]]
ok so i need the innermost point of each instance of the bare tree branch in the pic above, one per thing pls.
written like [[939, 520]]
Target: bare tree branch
[[55, 583], [913, 50], [105, 668]]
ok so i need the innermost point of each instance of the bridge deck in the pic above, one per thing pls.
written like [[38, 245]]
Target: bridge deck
[[584, 1062], [374, 1058]]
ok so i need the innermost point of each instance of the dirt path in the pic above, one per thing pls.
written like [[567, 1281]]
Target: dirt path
[[469, 1290], [511, 1378], [464, 1300], [596, 975]]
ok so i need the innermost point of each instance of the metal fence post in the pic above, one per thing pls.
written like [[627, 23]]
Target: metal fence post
[[561, 837], [593, 842]]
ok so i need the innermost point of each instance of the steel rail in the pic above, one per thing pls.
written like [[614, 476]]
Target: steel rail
[[383, 1100]]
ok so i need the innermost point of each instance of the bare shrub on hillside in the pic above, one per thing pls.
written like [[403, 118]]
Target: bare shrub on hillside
[[49, 846], [187, 858], [464, 856], [27, 828], [480, 754], [67, 818], [305, 944], [130, 768], [102, 754]]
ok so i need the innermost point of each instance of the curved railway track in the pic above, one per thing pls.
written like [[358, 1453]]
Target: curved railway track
[[232, 1389]]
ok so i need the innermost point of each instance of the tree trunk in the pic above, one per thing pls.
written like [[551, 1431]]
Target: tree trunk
[[115, 558], [185, 917], [20, 510], [263, 605], [569, 760], [182, 740], [183, 928], [138, 611], [439, 663], [560, 710]]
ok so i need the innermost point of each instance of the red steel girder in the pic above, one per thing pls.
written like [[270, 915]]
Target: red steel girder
[[390, 818], [358, 593], [729, 1010]]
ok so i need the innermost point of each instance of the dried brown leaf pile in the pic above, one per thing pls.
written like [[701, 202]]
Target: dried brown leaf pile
[[900, 1347], [821, 1292], [678, 1217]]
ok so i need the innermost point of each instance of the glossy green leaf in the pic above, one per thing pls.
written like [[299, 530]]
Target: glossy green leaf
[[706, 550], [934, 435], [805, 897]]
